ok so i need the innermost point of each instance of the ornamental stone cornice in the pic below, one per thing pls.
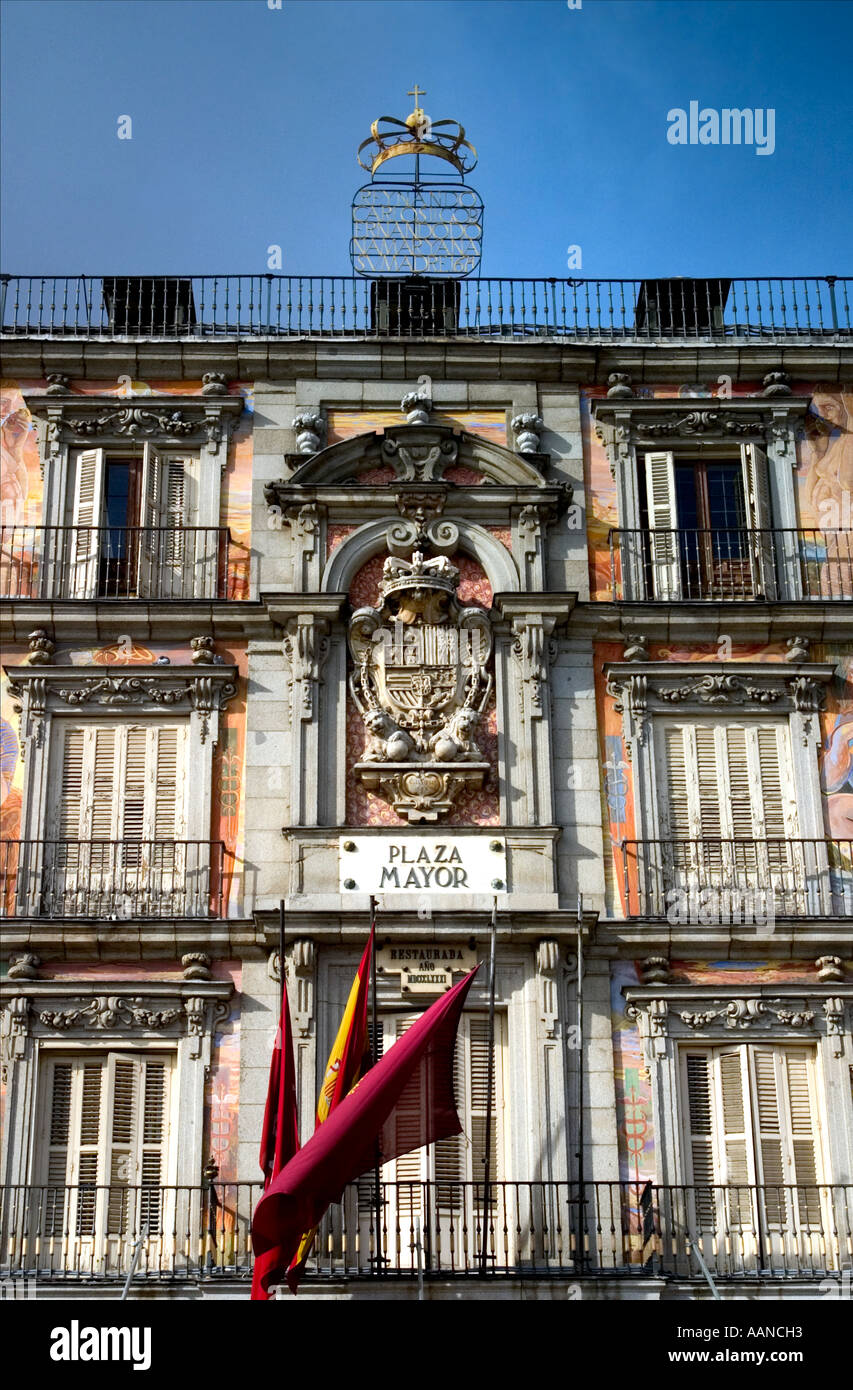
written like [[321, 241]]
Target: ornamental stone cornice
[[663, 685], [108, 419], [709, 418], [641, 689], [112, 1009], [666, 1012], [39, 691]]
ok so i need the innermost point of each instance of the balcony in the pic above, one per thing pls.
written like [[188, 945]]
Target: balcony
[[121, 562], [436, 1231], [731, 564], [112, 880], [338, 306], [735, 881]]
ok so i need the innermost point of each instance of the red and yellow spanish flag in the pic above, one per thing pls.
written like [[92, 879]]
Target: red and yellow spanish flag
[[343, 1070], [403, 1103]]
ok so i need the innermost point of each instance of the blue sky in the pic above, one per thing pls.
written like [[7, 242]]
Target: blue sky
[[246, 120]]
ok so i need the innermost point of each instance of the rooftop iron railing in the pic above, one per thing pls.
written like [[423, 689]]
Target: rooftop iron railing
[[89, 1233], [730, 563], [340, 306], [122, 562], [737, 881], [112, 880]]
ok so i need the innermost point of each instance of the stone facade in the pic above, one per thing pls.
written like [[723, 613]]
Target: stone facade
[[513, 489]]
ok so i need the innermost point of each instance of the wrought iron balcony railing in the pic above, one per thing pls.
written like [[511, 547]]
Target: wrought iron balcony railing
[[112, 880], [121, 562], [742, 881], [340, 306], [434, 1230], [730, 563]]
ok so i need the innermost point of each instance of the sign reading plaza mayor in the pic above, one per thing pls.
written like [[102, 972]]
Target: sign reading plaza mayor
[[412, 863]]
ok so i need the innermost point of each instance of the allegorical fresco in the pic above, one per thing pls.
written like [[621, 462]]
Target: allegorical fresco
[[634, 1113], [824, 472], [221, 1092], [228, 760], [825, 495], [21, 481], [22, 506]]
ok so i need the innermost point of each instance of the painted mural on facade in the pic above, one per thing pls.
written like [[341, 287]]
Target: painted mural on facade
[[345, 424], [824, 479], [21, 487], [228, 760], [634, 1110]]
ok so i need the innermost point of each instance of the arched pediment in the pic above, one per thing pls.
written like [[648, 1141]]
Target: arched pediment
[[372, 539], [417, 453]]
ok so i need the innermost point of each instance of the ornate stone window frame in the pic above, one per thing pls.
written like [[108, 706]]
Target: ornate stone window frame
[[175, 1016], [672, 1016], [629, 427], [201, 425], [47, 694], [644, 690]]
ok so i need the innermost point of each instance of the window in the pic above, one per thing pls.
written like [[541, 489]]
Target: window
[[709, 523], [752, 1141], [437, 1185], [130, 515], [103, 1167], [727, 808], [118, 820]]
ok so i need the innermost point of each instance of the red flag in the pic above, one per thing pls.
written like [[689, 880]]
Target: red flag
[[362, 1130], [280, 1135]]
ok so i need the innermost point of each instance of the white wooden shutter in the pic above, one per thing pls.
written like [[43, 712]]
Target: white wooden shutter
[[459, 1157], [782, 1081], [663, 524], [86, 517], [700, 1136], [121, 783], [729, 783], [759, 518], [164, 550], [108, 1120], [750, 1120]]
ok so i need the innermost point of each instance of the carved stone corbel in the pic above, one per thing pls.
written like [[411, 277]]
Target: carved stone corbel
[[530, 648], [14, 1030], [203, 1016], [833, 1009], [306, 646], [302, 956], [630, 695], [547, 966]]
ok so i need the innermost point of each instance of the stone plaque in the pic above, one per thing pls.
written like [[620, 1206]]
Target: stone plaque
[[425, 968], [437, 865]]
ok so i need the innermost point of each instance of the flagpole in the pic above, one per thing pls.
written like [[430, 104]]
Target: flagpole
[[374, 1058], [487, 1175], [581, 1131], [280, 956]]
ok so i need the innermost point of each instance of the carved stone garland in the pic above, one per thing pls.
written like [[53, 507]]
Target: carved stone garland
[[421, 684]]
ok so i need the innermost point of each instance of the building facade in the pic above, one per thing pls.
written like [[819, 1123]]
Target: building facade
[[462, 594]]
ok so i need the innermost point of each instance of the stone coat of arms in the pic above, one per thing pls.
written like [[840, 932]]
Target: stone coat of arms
[[421, 683]]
